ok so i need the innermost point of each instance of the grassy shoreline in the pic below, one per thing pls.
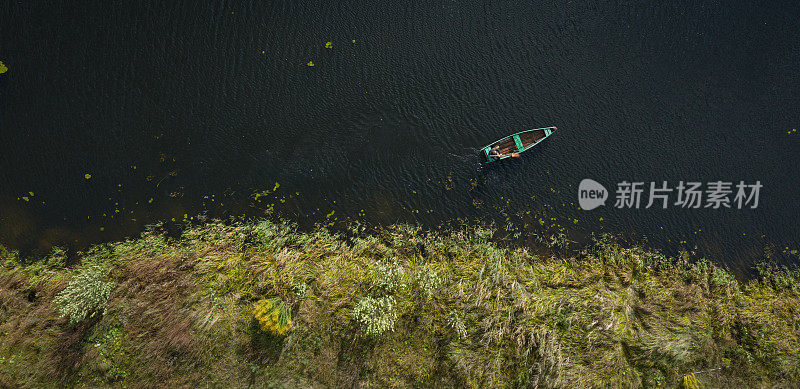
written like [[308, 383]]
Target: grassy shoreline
[[261, 304]]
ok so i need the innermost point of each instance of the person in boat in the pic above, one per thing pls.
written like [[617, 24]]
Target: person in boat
[[495, 154]]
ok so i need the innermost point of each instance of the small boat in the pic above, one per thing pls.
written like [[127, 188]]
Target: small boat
[[517, 143]]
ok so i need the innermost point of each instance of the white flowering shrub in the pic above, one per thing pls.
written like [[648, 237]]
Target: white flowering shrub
[[428, 281], [387, 277], [300, 289], [455, 322], [84, 296], [376, 315]]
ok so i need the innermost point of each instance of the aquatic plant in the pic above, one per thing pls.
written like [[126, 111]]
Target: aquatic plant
[[555, 241], [57, 258]]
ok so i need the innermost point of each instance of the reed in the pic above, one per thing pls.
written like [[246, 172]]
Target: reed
[[263, 304]]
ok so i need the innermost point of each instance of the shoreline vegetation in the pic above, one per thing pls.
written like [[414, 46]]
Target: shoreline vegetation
[[262, 304]]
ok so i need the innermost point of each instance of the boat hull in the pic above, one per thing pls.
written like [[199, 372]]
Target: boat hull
[[517, 143]]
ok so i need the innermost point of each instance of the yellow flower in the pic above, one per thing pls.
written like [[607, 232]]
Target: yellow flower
[[270, 313]]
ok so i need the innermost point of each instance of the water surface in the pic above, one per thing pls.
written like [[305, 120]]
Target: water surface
[[182, 108]]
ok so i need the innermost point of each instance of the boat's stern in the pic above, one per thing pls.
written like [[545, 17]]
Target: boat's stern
[[484, 153]]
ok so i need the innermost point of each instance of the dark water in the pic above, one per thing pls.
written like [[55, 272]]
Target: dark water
[[187, 108]]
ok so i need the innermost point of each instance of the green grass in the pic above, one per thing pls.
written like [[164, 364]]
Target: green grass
[[396, 307]]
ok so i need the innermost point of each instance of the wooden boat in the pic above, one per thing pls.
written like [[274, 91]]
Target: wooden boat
[[517, 143]]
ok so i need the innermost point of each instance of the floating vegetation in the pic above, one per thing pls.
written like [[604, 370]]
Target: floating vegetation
[[3, 68], [27, 198], [173, 173], [449, 184], [257, 196]]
